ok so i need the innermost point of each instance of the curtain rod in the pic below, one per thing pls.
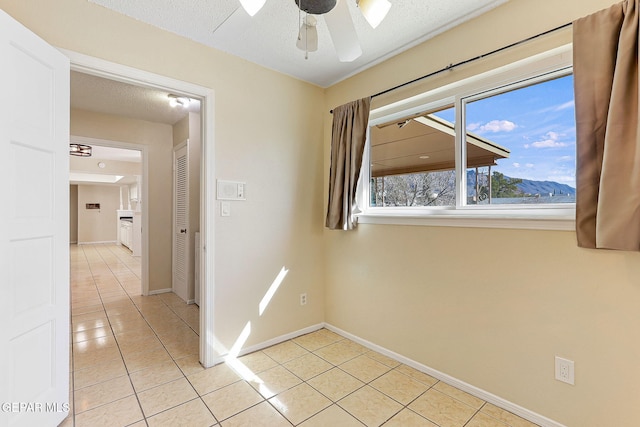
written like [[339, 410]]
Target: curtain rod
[[466, 61]]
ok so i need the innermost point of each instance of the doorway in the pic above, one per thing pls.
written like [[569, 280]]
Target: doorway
[[119, 73], [107, 190]]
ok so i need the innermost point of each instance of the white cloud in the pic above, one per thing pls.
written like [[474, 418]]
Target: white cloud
[[548, 143], [530, 165], [497, 126], [556, 108], [551, 141], [564, 106], [516, 165]]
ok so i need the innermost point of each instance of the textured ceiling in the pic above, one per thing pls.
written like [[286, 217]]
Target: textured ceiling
[[105, 96], [269, 37], [101, 95]]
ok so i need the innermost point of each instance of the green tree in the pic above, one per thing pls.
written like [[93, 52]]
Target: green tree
[[502, 186]]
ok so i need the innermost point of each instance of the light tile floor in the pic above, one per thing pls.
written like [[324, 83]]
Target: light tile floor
[[135, 363]]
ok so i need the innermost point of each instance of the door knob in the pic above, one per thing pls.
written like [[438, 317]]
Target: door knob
[[183, 230]]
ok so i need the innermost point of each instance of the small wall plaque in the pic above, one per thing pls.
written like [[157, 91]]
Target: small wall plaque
[[93, 205]]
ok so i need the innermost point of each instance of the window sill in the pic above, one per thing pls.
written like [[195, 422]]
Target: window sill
[[542, 219]]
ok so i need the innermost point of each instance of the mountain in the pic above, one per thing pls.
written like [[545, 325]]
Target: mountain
[[528, 186]]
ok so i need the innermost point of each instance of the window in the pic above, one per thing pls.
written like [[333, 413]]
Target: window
[[500, 145], [413, 161], [528, 134]]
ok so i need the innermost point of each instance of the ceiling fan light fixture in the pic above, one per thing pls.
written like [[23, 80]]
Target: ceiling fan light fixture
[[252, 6], [374, 11], [308, 35], [80, 150], [181, 101]]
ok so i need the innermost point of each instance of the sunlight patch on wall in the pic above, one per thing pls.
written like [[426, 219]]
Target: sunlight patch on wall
[[272, 290]]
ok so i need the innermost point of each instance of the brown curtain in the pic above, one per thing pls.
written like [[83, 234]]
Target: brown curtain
[[605, 62], [348, 137]]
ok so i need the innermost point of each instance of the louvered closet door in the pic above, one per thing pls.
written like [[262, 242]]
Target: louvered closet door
[[181, 222]]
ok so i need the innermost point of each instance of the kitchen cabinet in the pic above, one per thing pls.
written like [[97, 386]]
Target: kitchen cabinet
[[126, 235]]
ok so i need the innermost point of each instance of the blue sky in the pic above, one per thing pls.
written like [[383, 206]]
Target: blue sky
[[536, 123]]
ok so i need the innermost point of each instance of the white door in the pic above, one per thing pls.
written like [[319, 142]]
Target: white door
[[34, 218], [181, 222]]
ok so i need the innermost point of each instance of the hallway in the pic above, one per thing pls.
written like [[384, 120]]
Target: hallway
[[123, 344]]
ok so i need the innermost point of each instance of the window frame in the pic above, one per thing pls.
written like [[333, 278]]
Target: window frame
[[535, 69]]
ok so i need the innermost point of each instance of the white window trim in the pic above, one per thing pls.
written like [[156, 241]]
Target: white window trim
[[541, 217]]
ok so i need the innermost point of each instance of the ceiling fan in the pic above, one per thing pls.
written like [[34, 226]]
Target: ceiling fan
[[338, 19]]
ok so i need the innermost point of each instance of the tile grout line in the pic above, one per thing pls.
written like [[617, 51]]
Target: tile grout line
[[116, 338], [164, 347], [135, 392]]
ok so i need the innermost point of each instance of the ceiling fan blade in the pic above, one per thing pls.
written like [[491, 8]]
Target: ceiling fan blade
[[343, 33], [232, 27], [252, 6], [374, 11]]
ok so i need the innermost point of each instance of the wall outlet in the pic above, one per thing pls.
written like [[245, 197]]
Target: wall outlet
[[303, 299], [565, 370]]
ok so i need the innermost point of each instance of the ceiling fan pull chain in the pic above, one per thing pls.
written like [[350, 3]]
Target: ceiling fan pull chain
[[299, 21], [306, 36], [306, 29]]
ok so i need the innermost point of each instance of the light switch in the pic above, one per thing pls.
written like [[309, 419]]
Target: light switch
[[225, 208]]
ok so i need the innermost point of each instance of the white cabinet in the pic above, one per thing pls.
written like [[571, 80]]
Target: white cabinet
[[130, 230], [126, 236]]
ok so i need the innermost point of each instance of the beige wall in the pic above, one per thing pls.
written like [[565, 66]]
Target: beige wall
[[98, 225], [268, 132], [159, 141], [492, 307], [73, 214], [181, 131]]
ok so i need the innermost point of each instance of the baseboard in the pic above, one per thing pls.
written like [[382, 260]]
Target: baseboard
[[475, 391], [111, 242], [274, 341], [160, 291]]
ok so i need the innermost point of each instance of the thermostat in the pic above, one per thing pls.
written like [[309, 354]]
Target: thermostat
[[231, 190]]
